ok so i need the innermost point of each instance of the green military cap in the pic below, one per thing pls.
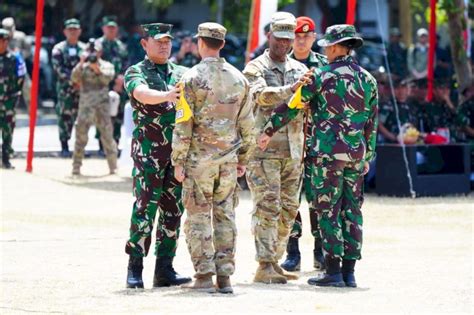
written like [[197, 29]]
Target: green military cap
[[72, 23], [211, 30], [283, 25], [157, 30], [4, 34], [339, 33], [109, 20]]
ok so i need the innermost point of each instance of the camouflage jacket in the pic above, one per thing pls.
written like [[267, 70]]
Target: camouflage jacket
[[115, 52], [154, 124], [465, 117], [344, 114], [64, 58], [436, 115], [94, 87], [388, 117], [12, 75], [270, 85], [221, 128]]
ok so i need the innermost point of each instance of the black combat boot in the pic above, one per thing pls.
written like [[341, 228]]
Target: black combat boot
[[318, 256], [332, 277], [348, 272], [6, 158], [165, 275], [65, 149], [293, 257], [134, 274]]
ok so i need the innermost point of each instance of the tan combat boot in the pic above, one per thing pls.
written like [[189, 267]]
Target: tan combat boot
[[223, 285], [287, 275], [76, 170], [112, 161], [266, 274], [203, 283]]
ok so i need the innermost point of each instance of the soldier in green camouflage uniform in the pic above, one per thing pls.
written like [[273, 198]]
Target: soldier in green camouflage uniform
[[345, 118], [274, 176], [65, 57], [210, 150], [305, 37], [154, 185], [465, 120], [93, 77], [115, 52], [12, 74]]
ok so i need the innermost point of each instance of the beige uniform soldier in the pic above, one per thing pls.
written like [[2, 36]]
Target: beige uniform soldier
[[274, 175], [93, 74], [210, 150]]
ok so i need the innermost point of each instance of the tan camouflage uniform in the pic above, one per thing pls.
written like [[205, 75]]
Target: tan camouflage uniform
[[209, 146], [94, 110]]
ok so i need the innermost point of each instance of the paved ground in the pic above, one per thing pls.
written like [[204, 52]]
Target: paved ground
[[62, 242]]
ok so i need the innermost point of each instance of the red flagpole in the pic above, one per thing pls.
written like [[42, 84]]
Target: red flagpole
[[351, 11], [431, 50], [35, 82]]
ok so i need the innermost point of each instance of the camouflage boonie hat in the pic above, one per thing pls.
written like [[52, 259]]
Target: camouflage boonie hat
[[283, 25], [211, 30], [4, 34], [157, 30], [72, 23], [339, 33], [109, 20]]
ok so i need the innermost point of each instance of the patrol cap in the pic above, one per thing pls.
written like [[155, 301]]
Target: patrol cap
[[211, 30], [8, 23], [283, 25], [72, 23], [109, 20], [339, 33], [422, 32], [157, 30], [4, 34], [304, 24]]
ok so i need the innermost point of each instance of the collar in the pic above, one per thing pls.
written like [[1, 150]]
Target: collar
[[214, 59], [346, 58], [274, 65], [152, 66]]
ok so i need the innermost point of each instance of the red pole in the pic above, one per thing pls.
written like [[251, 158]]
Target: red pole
[[431, 50], [351, 11], [35, 81]]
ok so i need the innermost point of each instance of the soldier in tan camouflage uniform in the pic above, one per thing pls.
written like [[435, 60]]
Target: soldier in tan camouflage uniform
[[211, 144], [93, 77], [274, 176]]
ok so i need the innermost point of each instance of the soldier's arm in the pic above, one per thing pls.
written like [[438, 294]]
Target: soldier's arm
[[76, 74], [246, 124], [107, 73], [370, 128], [57, 60]]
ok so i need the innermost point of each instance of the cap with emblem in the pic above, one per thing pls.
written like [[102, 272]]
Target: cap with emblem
[[72, 23], [283, 25], [211, 30], [4, 34], [304, 24], [109, 20], [157, 30], [339, 33]]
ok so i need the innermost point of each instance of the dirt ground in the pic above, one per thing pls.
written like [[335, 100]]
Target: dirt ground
[[62, 251]]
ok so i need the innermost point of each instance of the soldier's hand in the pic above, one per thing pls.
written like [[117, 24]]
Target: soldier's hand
[[366, 168], [305, 79], [173, 94], [263, 141], [179, 173], [241, 170]]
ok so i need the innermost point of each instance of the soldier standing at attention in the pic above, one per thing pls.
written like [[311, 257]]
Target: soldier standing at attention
[[345, 129], [154, 185], [115, 52], [211, 145], [304, 40], [274, 176], [65, 57], [12, 75], [93, 75]]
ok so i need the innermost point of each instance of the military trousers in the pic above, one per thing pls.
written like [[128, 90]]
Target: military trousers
[[66, 110], [7, 124], [155, 190], [210, 196], [98, 115], [275, 186], [339, 186]]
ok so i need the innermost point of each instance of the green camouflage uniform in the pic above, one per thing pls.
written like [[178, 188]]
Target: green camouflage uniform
[[12, 74], [343, 100], [314, 60], [436, 115], [388, 117], [64, 58], [209, 145], [154, 185], [94, 109], [465, 118], [274, 175]]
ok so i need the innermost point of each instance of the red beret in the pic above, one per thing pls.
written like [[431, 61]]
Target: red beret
[[304, 24]]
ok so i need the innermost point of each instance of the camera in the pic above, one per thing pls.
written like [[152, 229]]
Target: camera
[[91, 51]]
